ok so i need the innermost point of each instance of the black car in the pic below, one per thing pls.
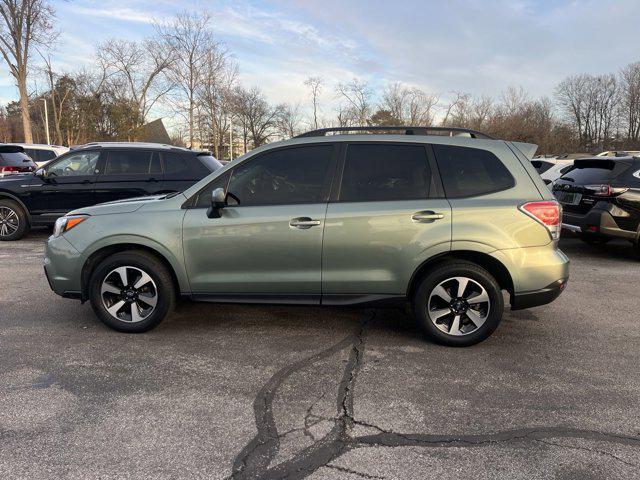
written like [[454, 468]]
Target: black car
[[600, 197], [96, 173], [13, 159]]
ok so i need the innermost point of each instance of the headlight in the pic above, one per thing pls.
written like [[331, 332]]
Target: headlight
[[64, 224]]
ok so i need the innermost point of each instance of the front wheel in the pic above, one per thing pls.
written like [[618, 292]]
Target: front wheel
[[13, 221], [458, 304], [131, 291]]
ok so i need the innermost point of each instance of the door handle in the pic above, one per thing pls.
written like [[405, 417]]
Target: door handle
[[303, 222], [426, 216]]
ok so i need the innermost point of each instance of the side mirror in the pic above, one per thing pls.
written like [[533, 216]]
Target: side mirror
[[218, 202], [41, 173]]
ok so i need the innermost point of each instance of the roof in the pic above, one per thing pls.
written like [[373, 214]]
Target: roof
[[399, 130]]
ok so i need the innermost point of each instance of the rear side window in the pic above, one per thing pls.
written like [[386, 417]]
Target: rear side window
[[210, 162], [183, 167], [15, 159], [468, 172], [44, 155], [131, 162], [378, 172], [585, 172]]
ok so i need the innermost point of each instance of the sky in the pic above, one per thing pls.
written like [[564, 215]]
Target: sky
[[475, 46]]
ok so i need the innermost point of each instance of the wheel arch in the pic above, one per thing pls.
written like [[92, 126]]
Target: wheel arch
[[484, 260], [94, 259], [10, 196]]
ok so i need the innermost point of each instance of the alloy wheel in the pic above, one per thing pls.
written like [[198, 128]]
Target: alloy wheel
[[458, 306], [129, 294], [9, 221]]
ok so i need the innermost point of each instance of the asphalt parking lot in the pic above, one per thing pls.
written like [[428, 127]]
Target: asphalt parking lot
[[283, 392]]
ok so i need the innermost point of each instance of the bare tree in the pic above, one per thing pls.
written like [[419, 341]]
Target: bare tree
[[315, 85], [257, 118], [215, 96], [630, 100], [288, 120], [358, 96], [408, 106], [134, 72], [188, 40], [25, 23]]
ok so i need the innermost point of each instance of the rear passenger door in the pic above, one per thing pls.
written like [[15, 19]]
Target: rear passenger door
[[387, 212], [128, 173]]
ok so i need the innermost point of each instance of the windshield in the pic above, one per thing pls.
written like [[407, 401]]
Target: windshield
[[15, 159]]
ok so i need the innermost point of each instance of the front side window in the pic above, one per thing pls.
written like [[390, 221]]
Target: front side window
[[128, 162], [468, 172], [282, 177], [75, 164], [378, 172]]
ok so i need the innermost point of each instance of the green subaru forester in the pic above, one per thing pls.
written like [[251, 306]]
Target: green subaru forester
[[445, 219]]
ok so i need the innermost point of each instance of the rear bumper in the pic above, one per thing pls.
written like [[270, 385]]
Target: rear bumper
[[597, 222], [538, 297]]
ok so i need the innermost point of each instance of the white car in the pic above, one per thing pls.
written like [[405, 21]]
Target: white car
[[42, 154], [556, 171], [619, 153]]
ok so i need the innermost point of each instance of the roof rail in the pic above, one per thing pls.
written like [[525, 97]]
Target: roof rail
[[408, 130]]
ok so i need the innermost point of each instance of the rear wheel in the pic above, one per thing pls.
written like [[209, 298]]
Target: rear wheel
[[458, 304], [131, 291], [13, 221]]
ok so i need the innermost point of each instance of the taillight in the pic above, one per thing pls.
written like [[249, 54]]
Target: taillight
[[9, 169], [548, 213], [605, 190]]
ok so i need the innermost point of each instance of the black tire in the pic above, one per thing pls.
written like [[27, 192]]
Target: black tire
[[449, 270], [138, 261], [11, 211], [595, 239]]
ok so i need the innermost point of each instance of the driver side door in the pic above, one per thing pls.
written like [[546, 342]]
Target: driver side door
[[267, 244], [68, 185]]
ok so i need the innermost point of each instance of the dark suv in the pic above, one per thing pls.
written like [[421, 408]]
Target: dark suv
[[601, 198], [96, 173]]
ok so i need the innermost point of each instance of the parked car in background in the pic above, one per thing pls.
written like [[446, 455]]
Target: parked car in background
[[42, 154], [619, 153], [97, 173], [13, 160], [445, 223], [551, 174], [600, 197], [544, 163]]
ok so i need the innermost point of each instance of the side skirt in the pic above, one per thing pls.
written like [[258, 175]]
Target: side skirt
[[373, 300]]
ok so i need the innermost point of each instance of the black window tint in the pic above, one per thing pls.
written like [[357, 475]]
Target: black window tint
[[183, 167], [541, 166], [210, 162], [203, 199], [128, 162], [595, 171], [287, 176], [155, 164], [44, 155], [378, 172], [468, 172], [15, 159]]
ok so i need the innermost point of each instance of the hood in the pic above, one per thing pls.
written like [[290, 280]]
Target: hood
[[118, 206]]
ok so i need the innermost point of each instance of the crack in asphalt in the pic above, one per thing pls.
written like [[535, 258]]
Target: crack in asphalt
[[255, 459]]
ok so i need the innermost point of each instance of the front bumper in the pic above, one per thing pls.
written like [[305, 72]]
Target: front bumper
[[596, 222], [62, 267]]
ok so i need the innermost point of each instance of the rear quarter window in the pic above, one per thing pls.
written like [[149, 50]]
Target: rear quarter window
[[469, 172], [184, 167]]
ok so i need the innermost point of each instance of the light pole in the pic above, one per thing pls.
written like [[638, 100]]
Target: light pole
[[46, 120], [231, 139]]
